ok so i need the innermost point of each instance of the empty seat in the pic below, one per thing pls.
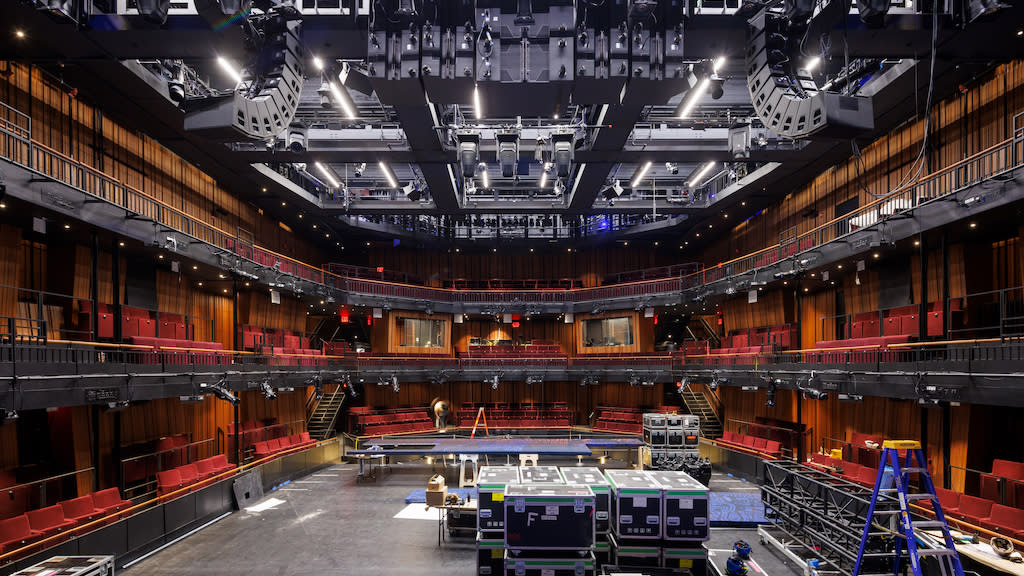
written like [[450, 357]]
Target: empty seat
[[49, 520], [974, 509], [168, 481], [1005, 520], [189, 474], [80, 510], [109, 501], [16, 533]]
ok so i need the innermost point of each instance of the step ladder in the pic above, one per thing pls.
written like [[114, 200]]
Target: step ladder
[[948, 559]]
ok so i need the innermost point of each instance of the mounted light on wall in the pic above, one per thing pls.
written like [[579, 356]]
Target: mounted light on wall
[[220, 391]]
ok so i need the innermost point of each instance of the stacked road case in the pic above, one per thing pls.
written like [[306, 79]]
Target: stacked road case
[[491, 484], [659, 519], [549, 530]]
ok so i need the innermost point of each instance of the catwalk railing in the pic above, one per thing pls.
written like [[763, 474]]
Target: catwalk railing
[[17, 146]]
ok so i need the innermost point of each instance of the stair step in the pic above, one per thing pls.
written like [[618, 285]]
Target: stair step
[[935, 552], [928, 524], [912, 469], [923, 496]]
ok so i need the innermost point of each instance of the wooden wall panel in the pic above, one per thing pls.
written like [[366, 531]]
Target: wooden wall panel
[[536, 329], [769, 310], [10, 269], [817, 318]]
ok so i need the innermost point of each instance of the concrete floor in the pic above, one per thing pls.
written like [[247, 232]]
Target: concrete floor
[[329, 524]]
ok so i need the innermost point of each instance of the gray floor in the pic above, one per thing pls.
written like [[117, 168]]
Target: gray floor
[[329, 524]]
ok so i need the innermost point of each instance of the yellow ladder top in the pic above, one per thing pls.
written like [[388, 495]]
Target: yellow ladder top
[[901, 444]]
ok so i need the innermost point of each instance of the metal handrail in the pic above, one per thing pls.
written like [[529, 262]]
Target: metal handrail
[[47, 479], [42, 159]]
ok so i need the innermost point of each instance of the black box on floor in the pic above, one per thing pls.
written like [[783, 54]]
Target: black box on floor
[[549, 517], [635, 555], [586, 566], [602, 551], [636, 504], [540, 475], [692, 560], [684, 506], [591, 476], [491, 483], [490, 553]]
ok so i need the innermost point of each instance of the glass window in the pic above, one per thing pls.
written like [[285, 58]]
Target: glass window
[[421, 333], [608, 332]]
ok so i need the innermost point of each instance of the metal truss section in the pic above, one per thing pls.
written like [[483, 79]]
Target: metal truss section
[[827, 514]]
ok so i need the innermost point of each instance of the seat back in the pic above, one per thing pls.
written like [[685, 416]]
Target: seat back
[[1008, 469], [205, 467], [77, 507], [171, 478], [1007, 516], [948, 498], [974, 506], [188, 473], [16, 528], [220, 462], [44, 518], [304, 437], [106, 498]]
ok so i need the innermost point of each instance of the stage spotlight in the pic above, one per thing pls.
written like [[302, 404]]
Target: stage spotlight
[[297, 138], [154, 11], [394, 383], [469, 152], [359, 169], [220, 391], [717, 85], [268, 391], [8, 415], [508, 152], [769, 399], [563, 144], [494, 380], [815, 394], [672, 168]]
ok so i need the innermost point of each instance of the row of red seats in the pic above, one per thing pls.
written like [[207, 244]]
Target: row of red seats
[[879, 351], [781, 337], [849, 471], [337, 348], [35, 525], [1008, 472], [1005, 520], [735, 356], [194, 474], [773, 255], [134, 322], [278, 445], [380, 423], [621, 427], [294, 356], [166, 350], [256, 337], [752, 444]]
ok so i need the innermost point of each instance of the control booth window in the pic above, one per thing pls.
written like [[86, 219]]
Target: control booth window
[[421, 332], [608, 332]]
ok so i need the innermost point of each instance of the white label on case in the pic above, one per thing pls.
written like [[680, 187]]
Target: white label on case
[[639, 501], [551, 510], [547, 572], [686, 503]]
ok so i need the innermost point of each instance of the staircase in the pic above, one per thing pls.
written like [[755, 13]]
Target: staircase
[[697, 404], [321, 420]]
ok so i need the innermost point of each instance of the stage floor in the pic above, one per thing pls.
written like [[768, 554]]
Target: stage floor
[[326, 523]]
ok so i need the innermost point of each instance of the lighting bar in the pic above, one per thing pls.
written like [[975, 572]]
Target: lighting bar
[[543, 179], [703, 172], [691, 101], [718, 64], [342, 100], [230, 69], [327, 174], [387, 174], [640, 176], [486, 180], [478, 111], [812, 63]]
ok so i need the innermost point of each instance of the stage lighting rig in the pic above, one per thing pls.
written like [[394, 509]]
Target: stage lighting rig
[[508, 152], [563, 144], [773, 384], [219, 390], [469, 151], [811, 388], [268, 391]]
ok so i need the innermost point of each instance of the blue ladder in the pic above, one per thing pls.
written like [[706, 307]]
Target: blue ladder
[[949, 560]]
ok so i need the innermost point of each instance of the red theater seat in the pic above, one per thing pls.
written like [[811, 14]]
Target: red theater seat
[[1005, 520], [168, 481], [974, 509], [80, 510], [49, 520], [109, 501], [17, 533], [773, 448], [1009, 471]]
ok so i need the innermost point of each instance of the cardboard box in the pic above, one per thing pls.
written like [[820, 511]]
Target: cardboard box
[[436, 491]]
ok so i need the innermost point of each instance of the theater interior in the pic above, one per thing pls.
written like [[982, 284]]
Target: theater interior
[[531, 287]]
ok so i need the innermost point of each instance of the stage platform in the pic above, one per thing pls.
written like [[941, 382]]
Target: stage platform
[[492, 446]]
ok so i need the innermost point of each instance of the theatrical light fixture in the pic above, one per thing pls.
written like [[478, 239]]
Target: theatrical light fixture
[[493, 381], [694, 182], [850, 398], [563, 144], [672, 168], [6, 414], [229, 69], [268, 391], [327, 174], [812, 63], [544, 174], [469, 151], [221, 392], [692, 97], [394, 383], [769, 399], [392, 183], [359, 169], [640, 175], [508, 152], [318, 63], [718, 64], [811, 391], [483, 175], [343, 99], [478, 110]]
